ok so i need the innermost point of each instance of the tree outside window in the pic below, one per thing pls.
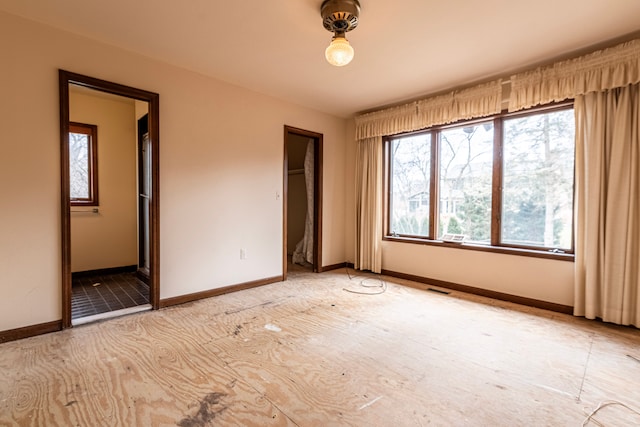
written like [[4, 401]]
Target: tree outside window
[[410, 181], [466, 165], [538, 171], [83, 164], [522, 198]]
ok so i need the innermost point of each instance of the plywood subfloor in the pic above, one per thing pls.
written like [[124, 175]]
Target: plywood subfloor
[[306, 353]]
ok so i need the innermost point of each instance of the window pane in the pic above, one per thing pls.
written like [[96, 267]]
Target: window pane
[[79, 165], [466, 164], [537, 198], [410, 181]]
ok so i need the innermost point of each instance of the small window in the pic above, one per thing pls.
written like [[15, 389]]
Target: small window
[[83, 164]]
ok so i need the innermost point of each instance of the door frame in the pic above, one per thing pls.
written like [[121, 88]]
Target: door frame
[[153, 99], [143, 232], [317, 197]]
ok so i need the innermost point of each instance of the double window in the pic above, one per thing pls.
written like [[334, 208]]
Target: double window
[[83, 164], [501, 182]]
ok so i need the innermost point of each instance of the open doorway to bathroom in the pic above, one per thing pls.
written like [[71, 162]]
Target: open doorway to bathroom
[[109, 175]]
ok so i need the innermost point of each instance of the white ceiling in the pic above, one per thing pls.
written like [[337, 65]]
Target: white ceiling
[[404, 48]]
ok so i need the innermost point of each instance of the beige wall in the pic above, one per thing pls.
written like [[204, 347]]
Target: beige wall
[[221, 158], [541, 279], [221, 183], [141, 108], [108, 238]]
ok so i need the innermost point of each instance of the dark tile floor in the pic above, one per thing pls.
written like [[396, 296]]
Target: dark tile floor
[[102, 293]]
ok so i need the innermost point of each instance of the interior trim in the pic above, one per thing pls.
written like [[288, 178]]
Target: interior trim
[[168, 302], [530, 302], [30, 331], [506, 250], [332, 267]]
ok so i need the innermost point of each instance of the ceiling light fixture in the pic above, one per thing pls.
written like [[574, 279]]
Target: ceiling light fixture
[[339, 16]]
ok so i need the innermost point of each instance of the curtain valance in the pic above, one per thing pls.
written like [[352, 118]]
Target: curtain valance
[[387, 122], [478, 101], [599, 71]]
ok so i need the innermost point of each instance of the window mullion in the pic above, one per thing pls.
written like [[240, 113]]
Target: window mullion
[[433, 185], [496, 192]]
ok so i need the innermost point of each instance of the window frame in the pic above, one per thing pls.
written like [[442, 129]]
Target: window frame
[[495, 245], [386, 176], [92, 132]]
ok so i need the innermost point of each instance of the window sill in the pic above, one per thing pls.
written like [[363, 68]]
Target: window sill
[[484, 248]]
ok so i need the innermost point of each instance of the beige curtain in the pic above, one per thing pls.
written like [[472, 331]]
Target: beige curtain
[[477, 101], [607, 279], [605, 86], [599, 71], [369, 205], [303, 253], [387, 122]]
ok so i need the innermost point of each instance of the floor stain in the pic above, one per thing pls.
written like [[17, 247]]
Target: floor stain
[[210, 408]]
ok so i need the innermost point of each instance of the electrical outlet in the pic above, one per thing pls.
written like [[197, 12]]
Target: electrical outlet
[[243, 254]]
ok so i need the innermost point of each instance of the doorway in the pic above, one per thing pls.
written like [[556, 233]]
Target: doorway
[[302, 201], [119, 267]]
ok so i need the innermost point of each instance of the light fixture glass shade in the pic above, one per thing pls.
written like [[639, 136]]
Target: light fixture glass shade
[[339, 52]]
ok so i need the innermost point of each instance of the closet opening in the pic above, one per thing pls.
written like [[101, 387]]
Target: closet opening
[[302, 201]]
